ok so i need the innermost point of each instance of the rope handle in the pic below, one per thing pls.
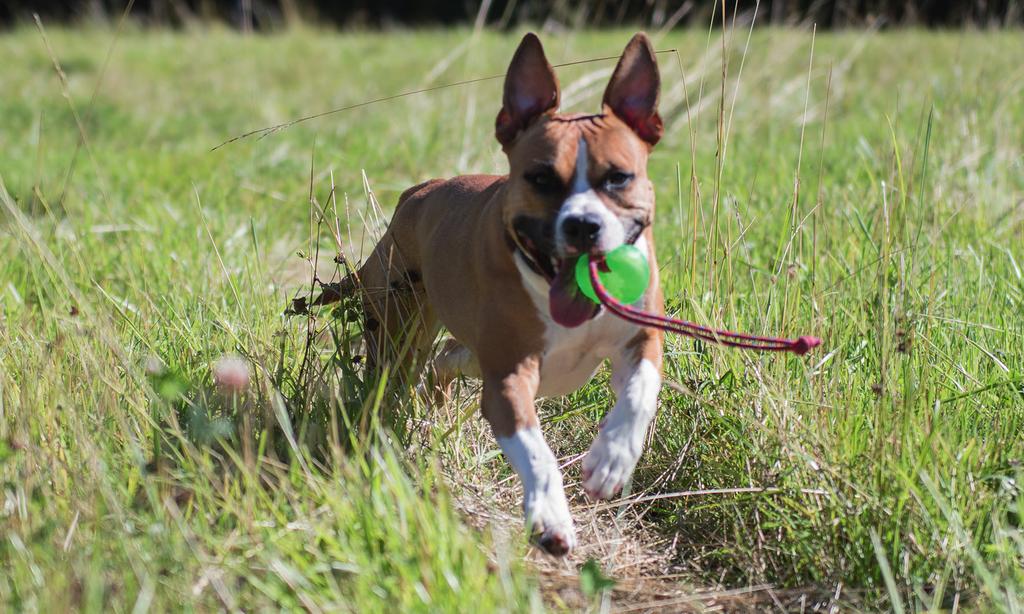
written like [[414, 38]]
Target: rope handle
[[798, 346]]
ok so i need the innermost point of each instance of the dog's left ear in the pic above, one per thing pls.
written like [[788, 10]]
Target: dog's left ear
[[632, 93], [531, 90]]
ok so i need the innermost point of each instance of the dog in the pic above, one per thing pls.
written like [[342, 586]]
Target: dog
[[491, 259]]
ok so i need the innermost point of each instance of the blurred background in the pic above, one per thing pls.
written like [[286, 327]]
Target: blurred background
[[269, 14]]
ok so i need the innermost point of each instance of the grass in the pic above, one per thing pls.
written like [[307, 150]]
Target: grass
[[869, 191]]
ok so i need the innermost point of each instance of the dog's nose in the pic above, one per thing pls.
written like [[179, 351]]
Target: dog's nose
[[581, 231]]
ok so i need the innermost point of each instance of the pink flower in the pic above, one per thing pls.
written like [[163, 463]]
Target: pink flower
[[153, 365], [231, 374]]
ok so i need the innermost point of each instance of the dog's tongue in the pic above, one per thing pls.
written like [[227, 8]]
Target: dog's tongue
[[568, 305]]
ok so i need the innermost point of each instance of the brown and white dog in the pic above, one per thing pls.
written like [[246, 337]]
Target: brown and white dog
[[491, 259]]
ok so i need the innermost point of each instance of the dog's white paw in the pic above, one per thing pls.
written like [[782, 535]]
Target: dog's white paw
[[613, 455], [547, 512], [611, 459], [549, 520]]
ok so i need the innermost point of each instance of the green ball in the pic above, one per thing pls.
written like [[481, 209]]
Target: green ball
[[627, 277]]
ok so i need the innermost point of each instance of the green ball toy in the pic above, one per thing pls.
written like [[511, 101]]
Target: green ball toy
[[626, 279]]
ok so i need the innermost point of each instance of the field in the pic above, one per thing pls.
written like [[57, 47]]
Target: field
[[866, 187]]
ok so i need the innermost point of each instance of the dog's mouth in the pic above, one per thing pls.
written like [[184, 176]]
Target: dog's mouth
[[534, 239]]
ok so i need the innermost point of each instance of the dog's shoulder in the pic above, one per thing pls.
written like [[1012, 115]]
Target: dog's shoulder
[[420, 189], [456, 187], [476, 183]]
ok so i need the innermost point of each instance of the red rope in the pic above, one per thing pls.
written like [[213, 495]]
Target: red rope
[[798, 346]]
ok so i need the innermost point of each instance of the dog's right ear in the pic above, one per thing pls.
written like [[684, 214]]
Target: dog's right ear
[[633, 90], [531, 90]]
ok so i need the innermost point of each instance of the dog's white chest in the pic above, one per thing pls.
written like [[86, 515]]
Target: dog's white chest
[[572, 355]]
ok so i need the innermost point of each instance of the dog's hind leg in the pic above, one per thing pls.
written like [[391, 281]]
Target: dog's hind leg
[[451, 360], [399, 325]]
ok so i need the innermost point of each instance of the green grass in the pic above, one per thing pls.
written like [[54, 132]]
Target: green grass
[[891, 456]]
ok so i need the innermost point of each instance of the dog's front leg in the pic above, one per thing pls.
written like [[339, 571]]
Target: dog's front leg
[[636, 379], [508, 404]]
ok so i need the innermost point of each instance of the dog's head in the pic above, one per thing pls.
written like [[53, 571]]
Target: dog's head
[[577, 183]]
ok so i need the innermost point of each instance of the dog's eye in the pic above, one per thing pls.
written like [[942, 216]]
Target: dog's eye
[[617, 180], [543, 180]]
